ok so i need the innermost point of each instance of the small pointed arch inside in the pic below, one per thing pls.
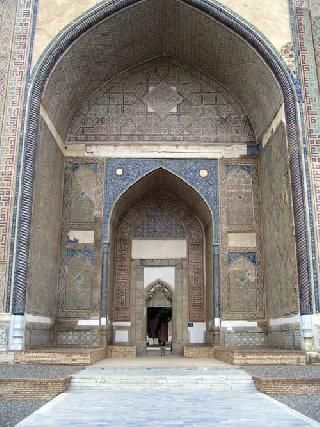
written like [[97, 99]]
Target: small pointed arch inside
[[159, 287]]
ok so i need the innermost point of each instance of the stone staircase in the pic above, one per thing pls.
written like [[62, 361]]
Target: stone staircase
[[220, 379]]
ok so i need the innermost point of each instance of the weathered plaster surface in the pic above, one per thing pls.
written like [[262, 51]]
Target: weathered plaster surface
[[271, 18], [279, 250], [46, 226]]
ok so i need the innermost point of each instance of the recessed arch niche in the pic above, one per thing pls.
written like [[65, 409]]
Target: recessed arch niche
[[111, 39], [161, 208]]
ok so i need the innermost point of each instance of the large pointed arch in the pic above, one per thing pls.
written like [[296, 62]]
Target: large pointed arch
[[176, 198], [59, 47]]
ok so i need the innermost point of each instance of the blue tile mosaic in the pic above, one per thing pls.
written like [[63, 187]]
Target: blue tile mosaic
[[186, 169], [233, 256]]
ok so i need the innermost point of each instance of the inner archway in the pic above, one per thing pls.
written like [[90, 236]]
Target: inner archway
[[161, 229], [159, 325]]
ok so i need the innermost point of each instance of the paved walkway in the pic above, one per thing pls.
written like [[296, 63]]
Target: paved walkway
[[164, 392]]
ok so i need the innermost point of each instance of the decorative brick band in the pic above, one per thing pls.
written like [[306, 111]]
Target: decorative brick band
[[33, 388], [260, 357], [190, 352], [57, 49], [287, 385], [122, 352], [60, 357]]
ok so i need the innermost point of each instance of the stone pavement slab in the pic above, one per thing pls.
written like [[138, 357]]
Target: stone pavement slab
[[166, 409], [152, 403]]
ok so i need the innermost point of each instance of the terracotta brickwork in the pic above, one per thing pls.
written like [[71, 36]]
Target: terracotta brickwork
[[260, 357], [198, 352], [122, 352], [32, 388], [60, 357], [288, 385]]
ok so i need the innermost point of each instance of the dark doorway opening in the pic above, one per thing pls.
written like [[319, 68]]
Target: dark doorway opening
[[158, 319]]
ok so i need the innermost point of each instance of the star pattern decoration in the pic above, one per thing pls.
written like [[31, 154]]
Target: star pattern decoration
[[162, 99]]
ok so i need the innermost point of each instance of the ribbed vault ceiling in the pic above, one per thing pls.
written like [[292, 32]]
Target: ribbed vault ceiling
[[160, 27]]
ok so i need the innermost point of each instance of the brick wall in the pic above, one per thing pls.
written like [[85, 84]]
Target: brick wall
[[260, 357], [61, 357], [197, 352], [125, 351], [30, 388], [288, 385]]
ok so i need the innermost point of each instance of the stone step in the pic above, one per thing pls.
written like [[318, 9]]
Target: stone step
[[157, 381], [91, 385], [214, 379], [180, 389]]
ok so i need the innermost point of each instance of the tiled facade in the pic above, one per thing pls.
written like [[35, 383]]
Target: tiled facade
[[304, 27], [131, 108], [279, 248], [267, 195], [241, 267], [17, 25]]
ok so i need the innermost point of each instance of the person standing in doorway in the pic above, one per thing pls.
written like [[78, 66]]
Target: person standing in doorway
[[163, 348]]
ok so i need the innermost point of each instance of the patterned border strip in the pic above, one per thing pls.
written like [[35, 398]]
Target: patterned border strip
[[20, 65], [309, 110], [231, 21]]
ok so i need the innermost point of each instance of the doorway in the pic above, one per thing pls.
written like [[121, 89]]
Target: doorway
[[159, 326]]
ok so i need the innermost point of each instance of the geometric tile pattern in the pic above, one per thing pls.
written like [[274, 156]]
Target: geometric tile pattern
[[152, 29], [306, 26], [7, 19], [162, 100], [13, 76], [187, 169], [242, 339], [80, 338], [160, 217], [241, 47], [242, 287], [79, 280]]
